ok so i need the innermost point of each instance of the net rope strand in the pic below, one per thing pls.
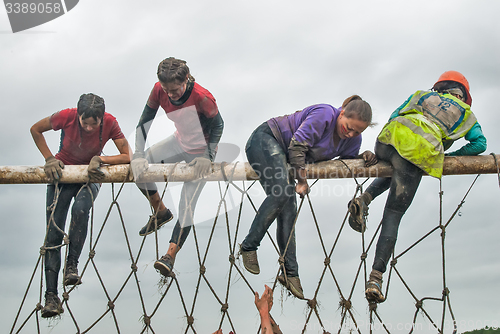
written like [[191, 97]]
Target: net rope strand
[[236, 270]]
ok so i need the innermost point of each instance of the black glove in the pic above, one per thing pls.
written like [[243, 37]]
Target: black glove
[[370, 158], [202, 166], [53, 168], [94, 170]]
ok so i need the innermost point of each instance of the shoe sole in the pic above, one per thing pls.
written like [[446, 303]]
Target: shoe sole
[[255, 272], [291, 288], [162, 268], [72, 282], [353, 220], [157, 228], [355, 225], [372, 295], [52, 313]]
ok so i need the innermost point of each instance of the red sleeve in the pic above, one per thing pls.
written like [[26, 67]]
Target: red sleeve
[[205, 101], [116, 132], [208, 106], [111, 123], [154, 97], [59, 119]]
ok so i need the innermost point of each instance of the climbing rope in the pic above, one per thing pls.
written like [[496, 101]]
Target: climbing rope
[[236, 272]]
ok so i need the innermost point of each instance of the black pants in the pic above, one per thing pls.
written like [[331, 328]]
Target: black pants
[[77, 229], [269, 161], [403, 185]]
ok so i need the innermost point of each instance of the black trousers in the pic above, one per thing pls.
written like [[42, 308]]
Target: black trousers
[[402, 188], [77, 230]]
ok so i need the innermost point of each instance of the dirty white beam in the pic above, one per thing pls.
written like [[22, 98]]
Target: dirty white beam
[[483, 164]]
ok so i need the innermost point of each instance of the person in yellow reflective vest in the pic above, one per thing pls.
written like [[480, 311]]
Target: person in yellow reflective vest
[[413, 141]]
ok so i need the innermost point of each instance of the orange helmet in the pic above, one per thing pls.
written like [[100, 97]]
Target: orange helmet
[[457, 77]]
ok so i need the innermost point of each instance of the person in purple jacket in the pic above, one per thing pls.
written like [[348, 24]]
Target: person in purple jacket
[[316, 133]]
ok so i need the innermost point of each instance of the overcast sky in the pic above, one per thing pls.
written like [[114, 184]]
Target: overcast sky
[[259, 59]]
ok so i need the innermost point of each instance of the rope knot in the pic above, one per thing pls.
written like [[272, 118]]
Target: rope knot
[[363, 256], [312, 303], [443, 231], [65, 296], [38, 307], [327, 261], [419, 304], [92, 254], [281, 260], [345, 304], [66, 240], [232, 259], [446, 292], [42, 250], [134, 267], [394, 262], [190, 320], [147, 320], [203, 270], [111, 305], [224, 308]]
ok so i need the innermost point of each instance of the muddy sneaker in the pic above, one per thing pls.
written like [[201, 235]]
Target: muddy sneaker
[[52, 306], [358, 211], [165, 265], [373, 290], [162, 217], [293, 285], [250, 261], [71, 274]]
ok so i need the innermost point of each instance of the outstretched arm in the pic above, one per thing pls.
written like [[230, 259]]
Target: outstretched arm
[[94, 170], [37, 131], [53, 167], [142, 129], [122, 158], [476, 144], [264, 305]]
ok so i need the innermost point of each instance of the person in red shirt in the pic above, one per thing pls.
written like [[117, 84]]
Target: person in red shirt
[[199, 127], [84, 132]]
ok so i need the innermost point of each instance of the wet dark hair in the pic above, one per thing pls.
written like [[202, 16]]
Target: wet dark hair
[[355, 107], [173, 70], [442, 87], [91, 105]]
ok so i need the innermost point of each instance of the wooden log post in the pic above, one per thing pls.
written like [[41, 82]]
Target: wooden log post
[[237, 171]]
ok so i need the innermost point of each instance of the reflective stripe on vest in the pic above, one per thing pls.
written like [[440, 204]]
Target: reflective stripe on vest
[[417, 140], [453, 117], [419, 131]]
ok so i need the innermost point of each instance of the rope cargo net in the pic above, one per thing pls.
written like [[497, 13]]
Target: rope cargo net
[[330, 298]]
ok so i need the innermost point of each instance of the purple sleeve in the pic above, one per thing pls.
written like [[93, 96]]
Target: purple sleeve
[[313, 125]]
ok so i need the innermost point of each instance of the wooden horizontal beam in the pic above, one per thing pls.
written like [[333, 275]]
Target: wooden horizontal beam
[[237, 171]]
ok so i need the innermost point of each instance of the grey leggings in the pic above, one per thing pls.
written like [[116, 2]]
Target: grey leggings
[[403, 185], [169, 151]]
